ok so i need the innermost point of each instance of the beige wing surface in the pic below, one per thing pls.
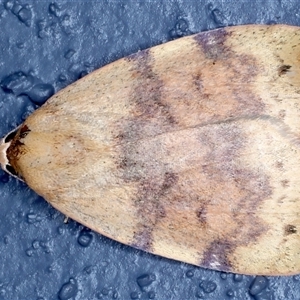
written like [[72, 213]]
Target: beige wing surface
[[189, 150]]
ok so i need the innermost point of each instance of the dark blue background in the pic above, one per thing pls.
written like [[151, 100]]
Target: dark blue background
[[47, 45]]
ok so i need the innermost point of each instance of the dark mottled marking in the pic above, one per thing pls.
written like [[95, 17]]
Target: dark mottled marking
[[151, 208], [282, 114], [201, 214], [15, 149], [290, 229], [282, 70], [198, 81], [279, 165], [24, 131], [170, 179], [285, 183], [212, 43], [254, 188]]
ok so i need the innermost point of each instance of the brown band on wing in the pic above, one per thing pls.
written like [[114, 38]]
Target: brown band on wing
[[213, 44], [228, 68], [149, 117], [239, 188], [150, 208]]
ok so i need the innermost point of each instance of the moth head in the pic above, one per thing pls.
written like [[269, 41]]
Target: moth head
[[5, 143]]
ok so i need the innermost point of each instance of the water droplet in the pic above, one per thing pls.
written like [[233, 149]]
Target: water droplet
[[43, 244], [182, 27], [61, 230], [238, 277], [85, 238], [25, 16], [62, 78], [105, 291], [104, 264], [6, 240], [223, 275], [66, 18], [35, 244], [40, 93], [88, 270], [54, 9], [115, 295], [76, 70], [68, 290], [33, 218], [16, 8], [47, 250], [199, 295], [219, 17], [296, 277], [230, 293], [29, 252], [145, 280], [83, 73], [208, 286], [69, 53], [17, 83], [21, 214], [151, 295], [258, 285], [189, 273], [42, 34], [99, 296], [50, 269], [134, 295], [20, 45], [8, 4], [2, 292], [27, 112]]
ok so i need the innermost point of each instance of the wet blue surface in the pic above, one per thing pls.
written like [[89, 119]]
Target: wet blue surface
[[47, 45]]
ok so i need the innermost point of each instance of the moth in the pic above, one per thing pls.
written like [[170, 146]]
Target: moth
[[189, 150]]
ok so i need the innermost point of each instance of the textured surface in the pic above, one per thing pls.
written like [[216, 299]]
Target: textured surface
[[46, 46]]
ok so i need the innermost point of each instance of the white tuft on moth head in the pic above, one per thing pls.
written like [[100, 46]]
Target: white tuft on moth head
[[5, 143], [3, 157]]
